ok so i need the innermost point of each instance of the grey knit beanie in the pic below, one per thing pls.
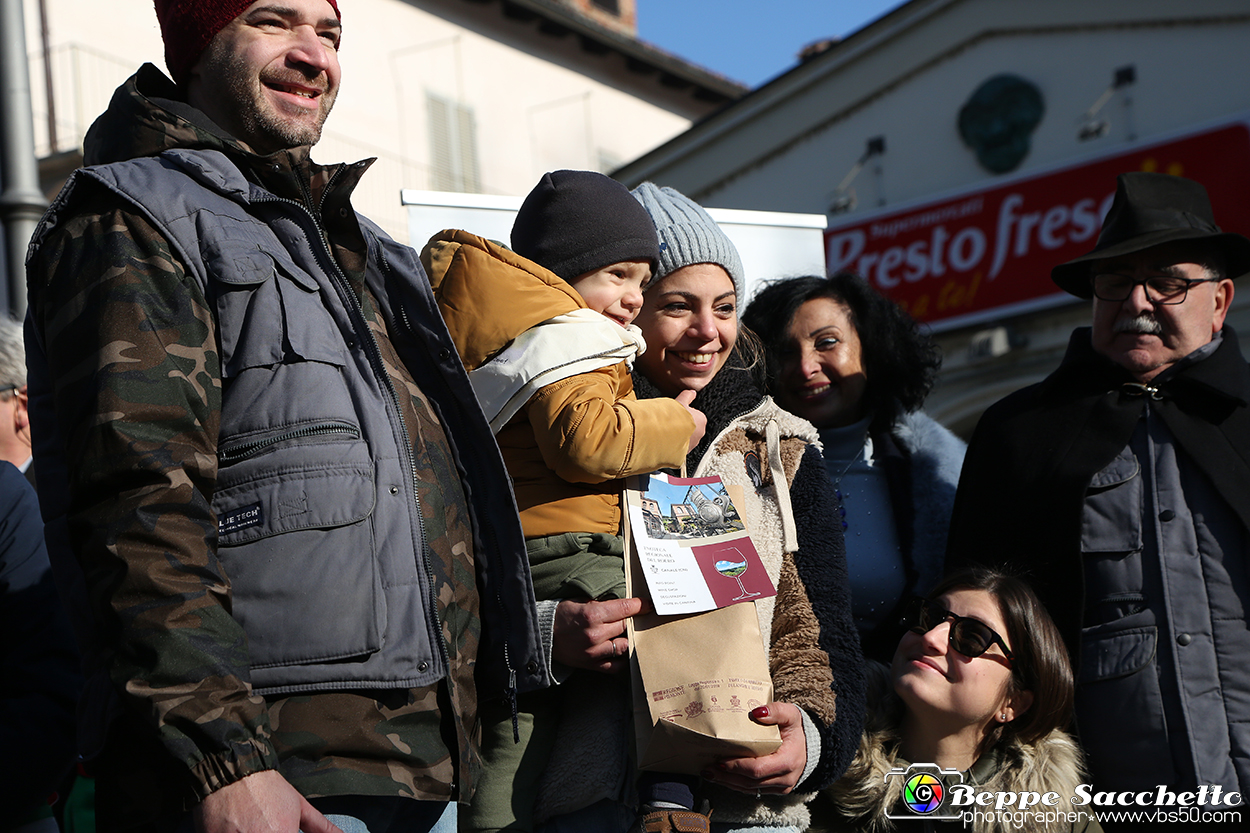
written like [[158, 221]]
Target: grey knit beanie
[[688, 235]]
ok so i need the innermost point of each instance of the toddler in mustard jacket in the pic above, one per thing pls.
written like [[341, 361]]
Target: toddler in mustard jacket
[[545, 332]]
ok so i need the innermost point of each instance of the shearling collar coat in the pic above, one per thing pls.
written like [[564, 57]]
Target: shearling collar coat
[[1053, 764], [861, 798]]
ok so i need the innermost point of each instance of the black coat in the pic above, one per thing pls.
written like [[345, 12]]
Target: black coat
[[39, 668], [1031, 458]]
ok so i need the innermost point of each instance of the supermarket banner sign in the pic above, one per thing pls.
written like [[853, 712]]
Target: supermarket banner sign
[[988, 253]]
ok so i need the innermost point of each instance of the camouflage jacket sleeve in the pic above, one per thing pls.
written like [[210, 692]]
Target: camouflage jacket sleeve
[[135, 382]]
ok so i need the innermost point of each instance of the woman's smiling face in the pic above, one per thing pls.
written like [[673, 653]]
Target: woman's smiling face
[[943, 686], [690, 322], [822, 368]]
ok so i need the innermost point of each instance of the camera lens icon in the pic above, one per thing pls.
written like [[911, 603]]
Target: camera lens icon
[[924, 790], [923, 793]]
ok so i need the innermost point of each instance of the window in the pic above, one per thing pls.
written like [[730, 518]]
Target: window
[[609, 6], [453, 146]]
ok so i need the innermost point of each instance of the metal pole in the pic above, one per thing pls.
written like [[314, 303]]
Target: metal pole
[[21, 202], [49, 91]]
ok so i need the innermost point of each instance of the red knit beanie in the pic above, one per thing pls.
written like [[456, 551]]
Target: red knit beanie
[[187, 26]]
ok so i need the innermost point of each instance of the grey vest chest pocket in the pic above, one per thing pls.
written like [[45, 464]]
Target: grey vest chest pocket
[[268, 315], [296, 488], [296, 538]]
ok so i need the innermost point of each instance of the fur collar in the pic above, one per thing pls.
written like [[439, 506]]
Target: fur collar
[[935, 457], [862, 796], [1052, 764]]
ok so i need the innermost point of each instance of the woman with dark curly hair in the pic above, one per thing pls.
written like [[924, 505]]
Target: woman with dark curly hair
[[857, 367]]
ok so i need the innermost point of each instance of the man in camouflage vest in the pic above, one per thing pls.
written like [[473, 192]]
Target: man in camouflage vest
[[286, 530]]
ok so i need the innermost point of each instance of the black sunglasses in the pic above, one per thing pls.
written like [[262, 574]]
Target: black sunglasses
[[970, 637]]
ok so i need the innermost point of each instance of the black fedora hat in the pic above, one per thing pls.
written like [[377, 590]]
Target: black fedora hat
[[1149, 210]]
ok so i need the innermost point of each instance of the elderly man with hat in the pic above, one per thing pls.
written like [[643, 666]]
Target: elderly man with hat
[[286, 529], [1121, 485]]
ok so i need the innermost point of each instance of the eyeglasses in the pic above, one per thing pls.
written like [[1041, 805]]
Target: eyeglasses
[[1160, 289], [970, 637]]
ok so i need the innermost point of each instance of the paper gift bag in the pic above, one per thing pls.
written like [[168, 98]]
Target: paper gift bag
[[695, 678]]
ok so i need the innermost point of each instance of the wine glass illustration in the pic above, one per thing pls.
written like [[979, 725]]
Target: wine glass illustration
[[734, 570]]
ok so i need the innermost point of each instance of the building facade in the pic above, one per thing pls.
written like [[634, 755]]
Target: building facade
[[960, 148], [479, 96]]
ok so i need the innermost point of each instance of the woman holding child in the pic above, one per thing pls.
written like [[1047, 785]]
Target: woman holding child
[[544, 331], [689, 320]]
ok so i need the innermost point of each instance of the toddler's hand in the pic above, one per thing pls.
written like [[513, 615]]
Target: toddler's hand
[[700, 419]]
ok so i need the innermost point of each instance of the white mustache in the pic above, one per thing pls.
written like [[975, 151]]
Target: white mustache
[[1144, 324]]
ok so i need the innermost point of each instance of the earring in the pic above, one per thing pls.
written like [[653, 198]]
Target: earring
[[1003, 717]]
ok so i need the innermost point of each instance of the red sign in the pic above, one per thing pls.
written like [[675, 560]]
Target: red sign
[[989, 253]]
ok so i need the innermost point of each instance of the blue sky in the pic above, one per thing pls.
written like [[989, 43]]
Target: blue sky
[[751, 41]]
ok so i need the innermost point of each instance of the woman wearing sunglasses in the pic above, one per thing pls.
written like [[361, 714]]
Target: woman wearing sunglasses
[[981, 688]]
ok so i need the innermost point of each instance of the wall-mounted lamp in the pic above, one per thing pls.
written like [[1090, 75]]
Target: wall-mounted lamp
[[844, 198], [1092, 127], [995, 342]]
